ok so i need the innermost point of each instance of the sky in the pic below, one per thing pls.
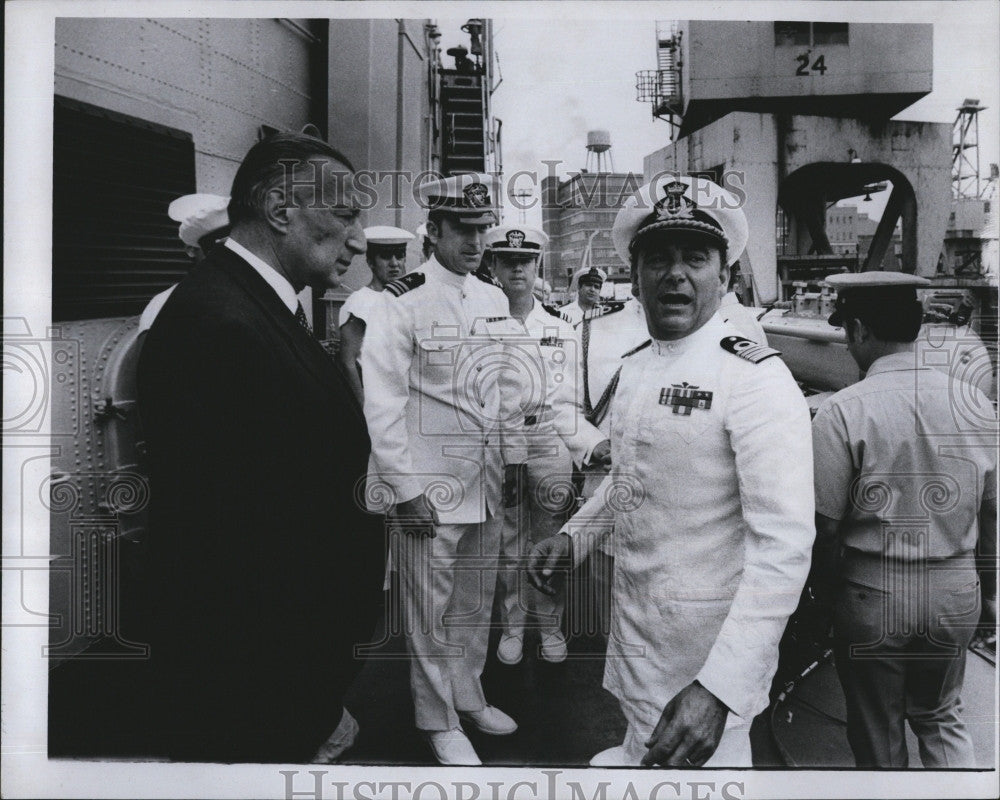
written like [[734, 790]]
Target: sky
[[561, 78]]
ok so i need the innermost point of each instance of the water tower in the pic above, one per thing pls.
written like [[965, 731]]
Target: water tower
[[599, 152]]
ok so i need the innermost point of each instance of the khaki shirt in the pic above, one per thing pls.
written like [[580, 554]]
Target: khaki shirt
[[905, 458]]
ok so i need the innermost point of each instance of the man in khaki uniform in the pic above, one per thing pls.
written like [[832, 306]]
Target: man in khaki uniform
[[905, 466]]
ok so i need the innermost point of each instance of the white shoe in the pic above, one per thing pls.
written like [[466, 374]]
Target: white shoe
[[612, 757], [509, 651], [491, 720], [453, 748], [553, 647]]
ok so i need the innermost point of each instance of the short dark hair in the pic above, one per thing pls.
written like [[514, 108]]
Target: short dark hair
[[262, 168], [735, 273], [891, 322], [436, 216], [634, 258]]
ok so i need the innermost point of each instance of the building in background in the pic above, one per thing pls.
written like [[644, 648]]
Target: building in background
[[801, 121], [842, 229], [801, 126], [577, 215], [970, 243], [852, 231], [147, 110]]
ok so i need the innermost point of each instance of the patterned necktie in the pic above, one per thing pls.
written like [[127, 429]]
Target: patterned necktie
[[300, 317]]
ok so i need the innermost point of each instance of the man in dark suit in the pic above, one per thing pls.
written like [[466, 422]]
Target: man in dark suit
[[265, 567]]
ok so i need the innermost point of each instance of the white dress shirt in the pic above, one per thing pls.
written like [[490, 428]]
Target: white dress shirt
[[573, 312], [274, 279]]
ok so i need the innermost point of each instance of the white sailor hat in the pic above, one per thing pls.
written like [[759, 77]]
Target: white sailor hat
[[387, 235], [542, 288], [862, 293], [515, 239], [199, 215], [681, 203], [472, 197], [590, 275]]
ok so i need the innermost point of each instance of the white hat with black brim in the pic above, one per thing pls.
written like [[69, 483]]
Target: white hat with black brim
[[688, 203], [516, 239], [470, 197]]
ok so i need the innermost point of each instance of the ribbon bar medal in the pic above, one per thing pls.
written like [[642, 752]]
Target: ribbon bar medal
[[683, 397]]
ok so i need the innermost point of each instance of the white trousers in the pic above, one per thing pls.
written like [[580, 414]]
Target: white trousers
[[446, 586], [550, 493]]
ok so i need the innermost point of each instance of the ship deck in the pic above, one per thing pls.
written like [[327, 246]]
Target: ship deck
[[564, 714]]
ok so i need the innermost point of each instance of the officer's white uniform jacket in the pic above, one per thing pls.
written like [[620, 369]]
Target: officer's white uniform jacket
[[572, 312], [436, 391], [560, 410], [711, 501], [612, 334], [743, 318]]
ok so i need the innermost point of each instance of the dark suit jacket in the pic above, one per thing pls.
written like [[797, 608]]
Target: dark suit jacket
[[265, 570]]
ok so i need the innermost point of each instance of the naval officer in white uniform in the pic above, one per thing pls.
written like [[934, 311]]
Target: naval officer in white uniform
[[557, 434], [588, 282], [710, 495], [444, 420], [744, 318]]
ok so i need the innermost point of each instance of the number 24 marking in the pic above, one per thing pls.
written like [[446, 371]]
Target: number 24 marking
[[819, 65]]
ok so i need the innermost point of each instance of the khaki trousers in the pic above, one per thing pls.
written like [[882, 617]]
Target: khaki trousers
[[901, 634]]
